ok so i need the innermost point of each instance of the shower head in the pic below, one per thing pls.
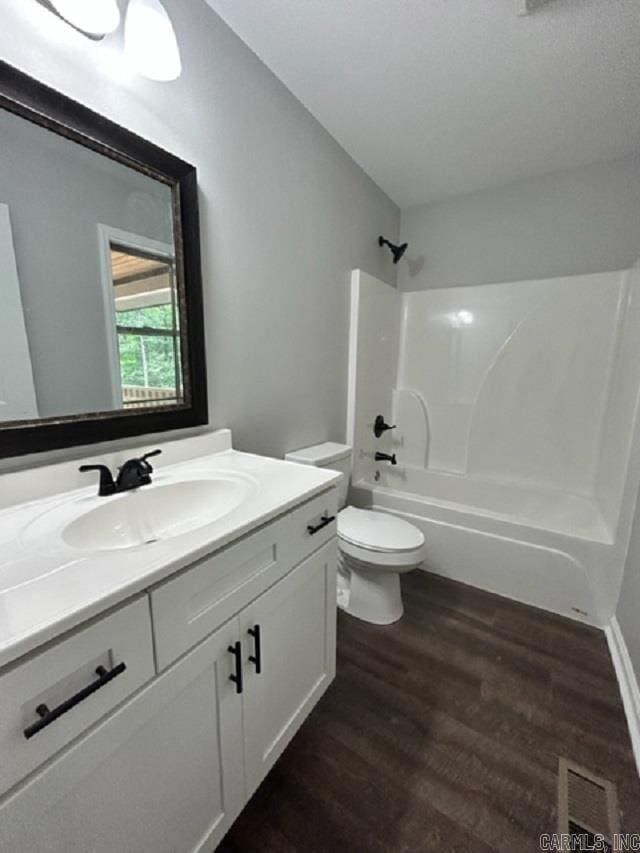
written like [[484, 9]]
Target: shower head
[[396, 251]]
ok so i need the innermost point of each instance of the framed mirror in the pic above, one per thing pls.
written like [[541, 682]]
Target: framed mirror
[[101, 319]]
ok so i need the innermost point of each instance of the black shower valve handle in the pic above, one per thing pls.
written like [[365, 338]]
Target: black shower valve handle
[[380, 426]]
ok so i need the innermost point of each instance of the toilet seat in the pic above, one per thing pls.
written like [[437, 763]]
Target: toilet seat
[[379, 539], [377, 531]]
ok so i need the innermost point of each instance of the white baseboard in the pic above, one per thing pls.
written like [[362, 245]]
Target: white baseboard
[[628, 683]]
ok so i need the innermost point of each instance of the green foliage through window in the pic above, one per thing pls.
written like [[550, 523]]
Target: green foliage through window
[[154, 317], [147, 360]]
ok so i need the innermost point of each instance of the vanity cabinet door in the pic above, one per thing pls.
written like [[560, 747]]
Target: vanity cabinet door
[[288, 637], [164, 774]]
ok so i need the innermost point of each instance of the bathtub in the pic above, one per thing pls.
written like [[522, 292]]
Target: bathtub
[[537, 545], [534, 506]]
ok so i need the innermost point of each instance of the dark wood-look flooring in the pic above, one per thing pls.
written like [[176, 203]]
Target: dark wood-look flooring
[[442, 733]]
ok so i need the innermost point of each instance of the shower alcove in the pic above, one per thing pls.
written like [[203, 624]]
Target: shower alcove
[[516, 414]]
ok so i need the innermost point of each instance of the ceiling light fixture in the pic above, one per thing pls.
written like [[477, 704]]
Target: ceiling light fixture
[[94, 18], [150, 42]]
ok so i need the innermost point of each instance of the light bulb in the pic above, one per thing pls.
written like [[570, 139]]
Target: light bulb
[[150, 41], [95, 17]]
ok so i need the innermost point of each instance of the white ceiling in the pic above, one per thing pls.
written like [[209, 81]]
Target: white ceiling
[[440, 97]]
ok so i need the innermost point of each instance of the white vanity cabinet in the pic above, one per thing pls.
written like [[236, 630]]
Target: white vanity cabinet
[[173, 765], [290, 634], [121, 642], [163, 774]]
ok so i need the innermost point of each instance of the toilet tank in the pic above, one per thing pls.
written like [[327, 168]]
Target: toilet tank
[[331, 455]]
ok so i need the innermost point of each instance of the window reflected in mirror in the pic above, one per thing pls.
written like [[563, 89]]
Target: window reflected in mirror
[[147, 327]]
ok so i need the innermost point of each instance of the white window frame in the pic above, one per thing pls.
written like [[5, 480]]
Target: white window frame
[[107, 235]]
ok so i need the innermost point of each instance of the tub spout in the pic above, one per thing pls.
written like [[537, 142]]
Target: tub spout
[[386, 457]]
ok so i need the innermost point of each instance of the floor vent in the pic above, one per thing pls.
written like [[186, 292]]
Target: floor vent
[[587, 805]]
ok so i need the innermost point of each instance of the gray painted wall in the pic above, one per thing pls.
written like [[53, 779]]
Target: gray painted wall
[[286, 214], [57, 193], [585, 220], [628, 611]]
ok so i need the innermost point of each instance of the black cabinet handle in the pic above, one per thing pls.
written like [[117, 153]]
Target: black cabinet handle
[[48, 716], [236, 677], [324, 520], [256, 657]]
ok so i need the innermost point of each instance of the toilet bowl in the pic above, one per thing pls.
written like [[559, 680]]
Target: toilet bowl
[[374, 547]]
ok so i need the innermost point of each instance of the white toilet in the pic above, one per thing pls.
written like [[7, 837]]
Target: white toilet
[[375, 547]]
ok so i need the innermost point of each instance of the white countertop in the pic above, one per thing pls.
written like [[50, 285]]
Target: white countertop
[[48, 587]]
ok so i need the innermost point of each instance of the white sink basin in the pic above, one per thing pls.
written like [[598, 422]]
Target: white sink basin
[[173, 505], [155, 512]]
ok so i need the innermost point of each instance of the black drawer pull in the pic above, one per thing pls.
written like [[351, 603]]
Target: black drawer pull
[[48, 716], [236, 677], [256, 657], [324, 520]]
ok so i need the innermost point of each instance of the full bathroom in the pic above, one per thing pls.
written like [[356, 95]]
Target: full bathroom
[[319, 426]]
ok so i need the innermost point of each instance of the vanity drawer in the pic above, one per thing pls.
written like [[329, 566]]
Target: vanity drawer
[[189, 607], [309, 528], [63, 677]]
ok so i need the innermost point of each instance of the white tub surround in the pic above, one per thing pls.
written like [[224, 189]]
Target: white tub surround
[[516, 429], [160, 679], [48, 586]]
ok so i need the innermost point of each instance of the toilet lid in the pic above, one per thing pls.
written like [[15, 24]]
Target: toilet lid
[[378, 531]]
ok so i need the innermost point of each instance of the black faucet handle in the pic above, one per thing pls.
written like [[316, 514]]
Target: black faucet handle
[[146, 456], [133, 473], [107, 485], [156, 452], [380, 426]]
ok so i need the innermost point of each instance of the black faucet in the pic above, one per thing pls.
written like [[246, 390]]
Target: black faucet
[[133, 474], [386, 457]]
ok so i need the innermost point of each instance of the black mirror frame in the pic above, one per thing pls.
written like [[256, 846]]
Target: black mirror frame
[[36, 102]]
